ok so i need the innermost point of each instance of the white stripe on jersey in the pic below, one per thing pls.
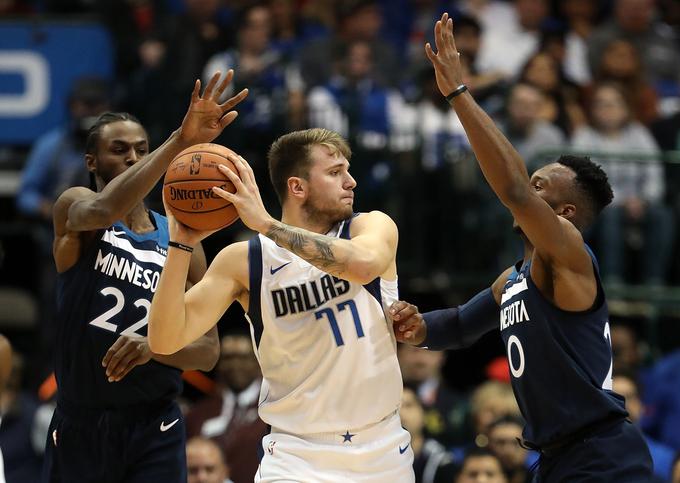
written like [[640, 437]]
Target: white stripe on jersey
[[124, 244], [327, 349]]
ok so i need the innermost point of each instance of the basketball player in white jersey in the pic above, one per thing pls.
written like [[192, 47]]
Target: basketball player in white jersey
[[316, 286]]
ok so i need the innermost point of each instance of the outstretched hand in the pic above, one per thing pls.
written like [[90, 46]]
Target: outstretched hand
[[407, 323], [446, 61], [246, 199], [206, 118]]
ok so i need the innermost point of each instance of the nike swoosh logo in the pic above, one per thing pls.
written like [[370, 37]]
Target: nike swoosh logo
[[165, 427], [403, 450], [117, 233], [273, 270]]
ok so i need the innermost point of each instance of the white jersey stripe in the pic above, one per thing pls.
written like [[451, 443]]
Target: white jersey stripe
[[147, 256]]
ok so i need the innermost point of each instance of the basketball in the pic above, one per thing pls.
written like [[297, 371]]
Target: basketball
[[188, 187]]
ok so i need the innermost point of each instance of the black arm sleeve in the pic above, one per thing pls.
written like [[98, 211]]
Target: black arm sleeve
[[461, 326]]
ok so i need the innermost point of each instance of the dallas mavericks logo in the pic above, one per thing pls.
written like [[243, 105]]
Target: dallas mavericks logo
[[195, 165]]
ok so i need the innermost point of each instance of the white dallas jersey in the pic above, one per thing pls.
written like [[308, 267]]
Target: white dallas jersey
[[325, 346]]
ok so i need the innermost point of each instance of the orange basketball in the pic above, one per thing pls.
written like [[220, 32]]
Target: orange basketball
[[188, 187]]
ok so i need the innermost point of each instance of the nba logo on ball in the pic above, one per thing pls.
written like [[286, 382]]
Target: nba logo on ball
[[188, 192], [195, 165]]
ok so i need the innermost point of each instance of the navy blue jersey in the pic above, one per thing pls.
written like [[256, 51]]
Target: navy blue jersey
[[106, 294], [560, 362]]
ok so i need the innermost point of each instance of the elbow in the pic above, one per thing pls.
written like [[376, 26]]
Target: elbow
[[160, 345]]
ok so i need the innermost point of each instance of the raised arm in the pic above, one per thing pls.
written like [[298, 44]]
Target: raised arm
[[553, 237], [370, 253], [84, 210]]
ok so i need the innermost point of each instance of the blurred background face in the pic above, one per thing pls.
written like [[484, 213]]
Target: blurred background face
[[531, 13], [359, 62], [481, 469], [255, 34], [419, 365], [542, 72], [237, 367], [202, 9], [205, 463], [411, 412], [627, 388], [579, 9], [620, 59], [609, 109], [634, 15], [625, 348], [467, 41], [524, 106], [364, 23], [503, 443]]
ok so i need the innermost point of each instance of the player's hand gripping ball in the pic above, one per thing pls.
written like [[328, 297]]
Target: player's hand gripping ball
[[188, 187]]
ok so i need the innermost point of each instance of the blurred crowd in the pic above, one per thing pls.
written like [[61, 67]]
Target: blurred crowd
[[564, 75]]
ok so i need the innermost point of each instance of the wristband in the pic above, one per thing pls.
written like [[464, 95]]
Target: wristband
[[186, 248], [459, 90]]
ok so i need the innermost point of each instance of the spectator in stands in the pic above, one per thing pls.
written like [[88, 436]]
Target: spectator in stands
[[230, 417], [504, 437], [621, 63], [356, 104], [22, 449], [523, 125], [580, 18], [489, 402], [173, 57], [638, 186], [291, 30], [431, 463], [357, 20], [634, 21], [522, 32], [481, 466], [205, 462], [561, 102], [662, 401], [626, 349], [445, 409], [626, 384]]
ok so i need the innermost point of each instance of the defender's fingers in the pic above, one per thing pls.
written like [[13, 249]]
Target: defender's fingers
[[195, 92], [431, 55], [223, 85], [232, 101], [397, 306], [126, 363], [115, 347], [117, 358], [207, 93], [228, 118]]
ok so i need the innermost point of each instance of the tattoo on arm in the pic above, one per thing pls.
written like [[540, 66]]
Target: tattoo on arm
[[315, 248]]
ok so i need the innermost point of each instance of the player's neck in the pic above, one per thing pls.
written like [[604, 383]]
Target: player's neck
[[299, 219], [139, 220], [528, 249]]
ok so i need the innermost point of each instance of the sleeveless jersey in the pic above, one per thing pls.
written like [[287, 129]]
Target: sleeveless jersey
[[106, 294], [560, 362], [325, 346]]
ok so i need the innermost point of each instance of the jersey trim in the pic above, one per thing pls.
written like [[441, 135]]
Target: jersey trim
[[255, 279]]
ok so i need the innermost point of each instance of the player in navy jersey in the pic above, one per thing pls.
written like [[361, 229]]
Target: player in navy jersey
[[553, 313], [116, 419]]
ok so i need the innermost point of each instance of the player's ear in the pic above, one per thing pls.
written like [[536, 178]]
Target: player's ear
[[568, 211], [90, 162], [297, 187]]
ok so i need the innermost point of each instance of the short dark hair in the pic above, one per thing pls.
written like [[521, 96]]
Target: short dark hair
[[289, 155], [462, 20], [94, 134], [106, 118], [478, 452], [591, 182]]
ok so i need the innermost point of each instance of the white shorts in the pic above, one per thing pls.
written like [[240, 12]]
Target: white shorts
[[379, 453]]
